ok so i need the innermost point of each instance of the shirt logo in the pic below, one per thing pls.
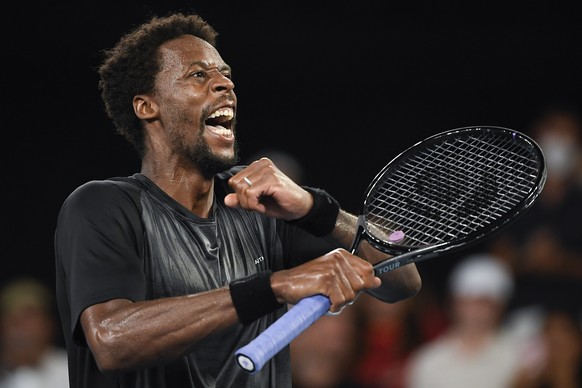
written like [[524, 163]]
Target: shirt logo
[[259, 260]]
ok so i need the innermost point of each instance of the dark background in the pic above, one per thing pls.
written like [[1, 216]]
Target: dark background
[[342, 87]]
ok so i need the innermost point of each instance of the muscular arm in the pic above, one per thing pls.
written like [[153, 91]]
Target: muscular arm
[[124, 335]]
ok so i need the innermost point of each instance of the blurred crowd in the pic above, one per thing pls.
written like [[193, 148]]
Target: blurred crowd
[[511, 316]]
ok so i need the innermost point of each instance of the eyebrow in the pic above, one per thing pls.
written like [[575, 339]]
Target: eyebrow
[[205, 65]]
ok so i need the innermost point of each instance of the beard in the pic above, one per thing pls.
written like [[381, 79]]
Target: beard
[[207, 162]]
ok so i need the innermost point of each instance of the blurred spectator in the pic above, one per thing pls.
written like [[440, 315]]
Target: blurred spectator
[[391, 332], [324, 354], [475, 351], [544, 246], [29, 356], [560, 364]]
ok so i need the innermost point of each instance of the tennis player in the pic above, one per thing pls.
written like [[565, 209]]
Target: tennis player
[[163, 274]]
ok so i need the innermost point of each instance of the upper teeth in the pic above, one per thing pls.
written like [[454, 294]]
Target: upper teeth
[[228, 112]]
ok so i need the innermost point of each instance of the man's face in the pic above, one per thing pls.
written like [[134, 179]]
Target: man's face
[[477, 312], [25, 333], [197, 105]]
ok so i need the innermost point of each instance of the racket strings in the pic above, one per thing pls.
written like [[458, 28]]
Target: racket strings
[[451, 189]]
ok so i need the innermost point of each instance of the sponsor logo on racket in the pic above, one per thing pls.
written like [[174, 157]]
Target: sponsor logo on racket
[[387, 268]]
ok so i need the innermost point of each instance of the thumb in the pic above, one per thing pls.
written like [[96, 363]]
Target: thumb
[[231, 200]]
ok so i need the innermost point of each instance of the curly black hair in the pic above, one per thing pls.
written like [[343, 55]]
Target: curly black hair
[[130, 67]]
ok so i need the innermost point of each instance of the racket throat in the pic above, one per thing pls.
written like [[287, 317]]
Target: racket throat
[[358, 237]]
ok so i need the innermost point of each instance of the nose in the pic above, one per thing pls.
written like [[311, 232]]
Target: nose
[[222, 83]]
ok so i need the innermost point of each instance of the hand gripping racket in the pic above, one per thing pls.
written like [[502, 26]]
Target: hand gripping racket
[[442, 194]]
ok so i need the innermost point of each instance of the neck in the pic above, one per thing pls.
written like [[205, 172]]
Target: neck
[[187, 187]]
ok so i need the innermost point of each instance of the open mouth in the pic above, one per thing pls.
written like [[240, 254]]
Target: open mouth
[[220, 122]]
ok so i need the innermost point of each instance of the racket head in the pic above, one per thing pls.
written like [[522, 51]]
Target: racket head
[[451, 189]]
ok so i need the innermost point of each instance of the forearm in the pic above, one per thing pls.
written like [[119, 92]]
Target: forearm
[[396, 285], [124, 335]]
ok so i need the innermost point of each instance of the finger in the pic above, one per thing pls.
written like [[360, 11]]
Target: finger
[[237, 183], [251, 195], [342, 292], [359, 273], [245, 189], [356, 276], [367, 278], [247, 181]]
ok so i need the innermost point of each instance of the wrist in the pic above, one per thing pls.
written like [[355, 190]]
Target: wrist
[[253, 296], [321, 218]]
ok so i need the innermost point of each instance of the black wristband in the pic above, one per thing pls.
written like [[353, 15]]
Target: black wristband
[[320, 220], [253, 296]]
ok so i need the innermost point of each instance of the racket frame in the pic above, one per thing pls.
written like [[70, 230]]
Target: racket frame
[[469, 239]]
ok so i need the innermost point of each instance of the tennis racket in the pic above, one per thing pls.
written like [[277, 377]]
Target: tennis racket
[[442, 194]]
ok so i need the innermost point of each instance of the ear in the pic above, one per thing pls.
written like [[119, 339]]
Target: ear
[[145, 107]]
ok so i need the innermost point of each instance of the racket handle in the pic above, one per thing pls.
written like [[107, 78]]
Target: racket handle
[[256, 353]]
